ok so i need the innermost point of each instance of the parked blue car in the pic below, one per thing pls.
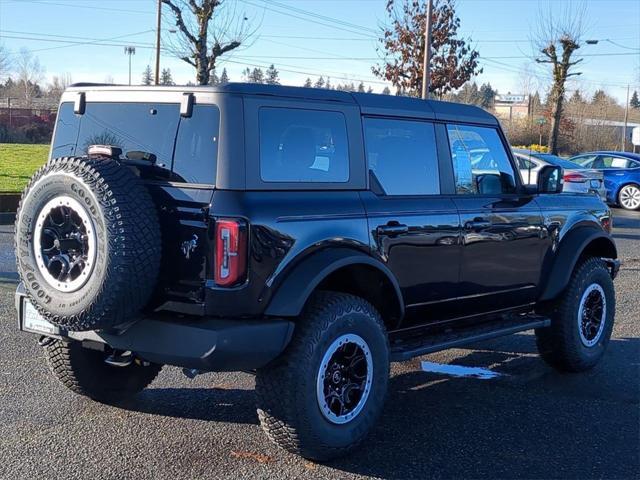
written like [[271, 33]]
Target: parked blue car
[[621, 175]]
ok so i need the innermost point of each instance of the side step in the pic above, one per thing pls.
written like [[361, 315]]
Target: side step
[[463, 336]]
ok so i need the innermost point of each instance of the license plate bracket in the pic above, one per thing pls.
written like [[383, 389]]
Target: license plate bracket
[[32, 321]]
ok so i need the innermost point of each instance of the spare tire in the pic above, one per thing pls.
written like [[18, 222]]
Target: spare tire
[[87, 243]]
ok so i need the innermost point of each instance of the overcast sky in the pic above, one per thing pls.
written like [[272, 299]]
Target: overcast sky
[[301, 41]]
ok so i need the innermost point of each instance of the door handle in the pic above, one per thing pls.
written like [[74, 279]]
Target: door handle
[[477, 225], [392, 229]]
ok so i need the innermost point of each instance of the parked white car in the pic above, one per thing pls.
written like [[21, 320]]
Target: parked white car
[[577, 179]]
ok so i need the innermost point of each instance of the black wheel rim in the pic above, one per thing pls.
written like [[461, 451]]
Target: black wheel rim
[[64, 243], [592, 314], [344, 379]]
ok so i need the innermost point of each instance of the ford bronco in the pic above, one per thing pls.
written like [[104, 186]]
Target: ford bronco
[[308, 236]]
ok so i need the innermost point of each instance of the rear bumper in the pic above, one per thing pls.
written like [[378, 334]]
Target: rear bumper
[[208, 344]]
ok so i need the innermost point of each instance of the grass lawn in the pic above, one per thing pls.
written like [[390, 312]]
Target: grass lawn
[[18, 162]]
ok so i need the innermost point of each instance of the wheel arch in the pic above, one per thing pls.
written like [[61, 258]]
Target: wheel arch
[[576, 244], [342, 270]]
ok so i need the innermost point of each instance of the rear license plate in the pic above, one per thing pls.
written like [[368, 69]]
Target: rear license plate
[[595, 183], [34, 322]]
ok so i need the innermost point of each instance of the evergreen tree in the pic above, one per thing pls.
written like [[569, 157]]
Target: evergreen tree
[[147, 76], [576, 97], [319, 83], [369, 90], [224, 78], [307, 83], [272, 76], [487, 95], [361, 87], [214, 79], [599, 96], [386, 91], [165, 77], [635, 101], [328, 85]]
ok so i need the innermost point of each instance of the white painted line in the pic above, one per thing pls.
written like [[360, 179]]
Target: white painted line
[[459, 371]]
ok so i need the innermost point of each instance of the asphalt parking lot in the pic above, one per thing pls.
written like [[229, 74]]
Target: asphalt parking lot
[[527, 421]]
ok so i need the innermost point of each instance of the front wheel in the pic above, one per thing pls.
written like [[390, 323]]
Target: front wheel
[[581, 320], [629, 197], [323, 395]]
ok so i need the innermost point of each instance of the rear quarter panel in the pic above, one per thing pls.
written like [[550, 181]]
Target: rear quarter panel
[[285, 227]]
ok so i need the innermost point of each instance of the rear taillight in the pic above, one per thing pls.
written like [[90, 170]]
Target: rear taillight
[[607, 223], [574, 178], [231, 252]]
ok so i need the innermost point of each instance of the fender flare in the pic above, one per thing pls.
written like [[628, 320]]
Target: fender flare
[[565, 258], [295, 289]]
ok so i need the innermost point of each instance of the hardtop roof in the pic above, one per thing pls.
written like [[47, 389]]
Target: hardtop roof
[[369, 103]]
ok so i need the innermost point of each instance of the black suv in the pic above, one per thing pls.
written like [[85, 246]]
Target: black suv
[[308, 236]]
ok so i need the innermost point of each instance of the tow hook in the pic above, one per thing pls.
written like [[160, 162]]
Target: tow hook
[[191, 372], [45, 341], [120, 359]]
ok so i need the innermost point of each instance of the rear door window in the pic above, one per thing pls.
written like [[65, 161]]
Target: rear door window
[[149, 128], [299, 145], [480, 161], [196, 155], [402, 155]]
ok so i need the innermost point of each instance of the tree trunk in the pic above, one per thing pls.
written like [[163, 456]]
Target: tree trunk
[[556, 117]]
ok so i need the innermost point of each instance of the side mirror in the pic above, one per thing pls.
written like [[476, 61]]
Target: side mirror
[[550, 179]]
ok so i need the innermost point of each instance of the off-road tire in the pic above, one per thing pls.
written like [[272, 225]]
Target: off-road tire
[[560, 345], [84, 372], [287, 404], [127, 234]]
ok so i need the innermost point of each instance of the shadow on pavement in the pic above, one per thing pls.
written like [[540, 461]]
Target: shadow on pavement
[[531, 422]]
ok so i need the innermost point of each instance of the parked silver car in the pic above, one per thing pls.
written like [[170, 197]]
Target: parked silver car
[[577, 179]]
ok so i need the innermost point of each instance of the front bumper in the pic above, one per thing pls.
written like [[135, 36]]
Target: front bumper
[[207, 344]]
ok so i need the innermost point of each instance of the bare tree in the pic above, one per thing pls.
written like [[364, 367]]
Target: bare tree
[[557, 38], [207, 29], [29, 72], [5, 62], [58, 84]]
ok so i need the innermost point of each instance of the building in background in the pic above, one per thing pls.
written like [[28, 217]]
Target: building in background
[[512, 106]]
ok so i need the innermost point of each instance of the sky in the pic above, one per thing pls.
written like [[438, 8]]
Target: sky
[[308, 38]]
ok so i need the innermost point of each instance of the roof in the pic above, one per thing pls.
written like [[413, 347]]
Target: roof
[[633, 156], [369, 103]]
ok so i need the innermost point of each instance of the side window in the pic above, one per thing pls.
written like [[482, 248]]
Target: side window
[[196, 154], [524, 163], [615, 162], [480, 162], [586, 161], [142, 127], [66, 135], [298, 145], [402, 154]]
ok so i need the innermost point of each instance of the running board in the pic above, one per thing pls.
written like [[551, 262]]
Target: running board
[[456, 338]]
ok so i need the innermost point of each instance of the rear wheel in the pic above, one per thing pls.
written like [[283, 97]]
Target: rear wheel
[[85, 372], [324, 394], [581, 320], [629, 197]]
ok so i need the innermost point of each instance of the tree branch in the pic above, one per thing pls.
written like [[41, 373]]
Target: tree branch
[[179, 20]]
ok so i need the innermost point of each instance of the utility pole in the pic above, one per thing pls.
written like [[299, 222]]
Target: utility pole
[[158, 19], [626, 118], [130, 51], [426, 67]]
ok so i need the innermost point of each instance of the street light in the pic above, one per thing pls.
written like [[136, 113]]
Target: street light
[[130, 51]]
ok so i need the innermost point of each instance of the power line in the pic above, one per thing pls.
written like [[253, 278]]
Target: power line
[[91, 7]]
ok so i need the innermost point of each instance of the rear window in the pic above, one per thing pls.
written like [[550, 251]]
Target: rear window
[[298, 145], [132, 127], [149, 128], [196, 156]]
